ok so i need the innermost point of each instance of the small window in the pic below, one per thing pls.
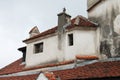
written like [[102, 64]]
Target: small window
[[38, 47], [70, 39]]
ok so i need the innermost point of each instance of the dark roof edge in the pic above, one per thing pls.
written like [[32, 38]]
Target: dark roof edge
[[22, 48], [89, 9]]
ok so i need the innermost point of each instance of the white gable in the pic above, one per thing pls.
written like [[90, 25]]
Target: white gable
[[42, 77]]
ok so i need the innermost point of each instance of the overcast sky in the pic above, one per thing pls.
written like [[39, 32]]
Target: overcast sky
[[17, 17]]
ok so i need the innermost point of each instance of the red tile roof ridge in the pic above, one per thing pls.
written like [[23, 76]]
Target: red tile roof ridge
[[87, 57], [83, 22], [84, 18], [49, 31]]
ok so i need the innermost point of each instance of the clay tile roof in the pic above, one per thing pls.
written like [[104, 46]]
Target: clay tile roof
[[47, 32], [86, 57], [98, 69], [13, 67], [50, 75], [95, 70], [25, 77], [17, 66], [84, 22]]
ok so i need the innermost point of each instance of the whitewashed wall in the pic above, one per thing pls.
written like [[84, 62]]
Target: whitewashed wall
[[84, 44], [48, 55]]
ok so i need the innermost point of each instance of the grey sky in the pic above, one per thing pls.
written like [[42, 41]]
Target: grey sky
[[17, 17]]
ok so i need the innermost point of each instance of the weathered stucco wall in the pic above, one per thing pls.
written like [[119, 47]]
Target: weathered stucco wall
[[84, 44], [48, 55], [105, 14]]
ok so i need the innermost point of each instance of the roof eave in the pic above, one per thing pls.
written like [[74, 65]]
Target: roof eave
[[89, 9]]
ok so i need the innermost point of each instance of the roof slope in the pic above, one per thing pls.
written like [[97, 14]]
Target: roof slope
[[83, 22], [26, 77], [98, 69], [17, 66], [95, 70], [13, 67]]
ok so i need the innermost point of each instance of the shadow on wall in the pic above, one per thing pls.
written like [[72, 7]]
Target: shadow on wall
[[110, 38]]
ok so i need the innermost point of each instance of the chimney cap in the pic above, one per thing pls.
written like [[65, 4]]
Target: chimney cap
[[64, 12]]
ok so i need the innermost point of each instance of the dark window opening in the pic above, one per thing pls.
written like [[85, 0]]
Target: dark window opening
[[38, 47], [23, 50], [70, 38]]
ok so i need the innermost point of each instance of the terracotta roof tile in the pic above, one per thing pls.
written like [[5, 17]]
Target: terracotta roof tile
[[13, 67], [50, 31], [95, 70], [84, 22], [26, 77], [18, 67], [86, 57], [50, 75]]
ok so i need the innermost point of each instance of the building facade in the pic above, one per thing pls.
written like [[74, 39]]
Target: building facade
[[69, 38], [76, 49]]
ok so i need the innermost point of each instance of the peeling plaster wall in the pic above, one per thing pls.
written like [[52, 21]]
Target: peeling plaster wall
[[105, 13]]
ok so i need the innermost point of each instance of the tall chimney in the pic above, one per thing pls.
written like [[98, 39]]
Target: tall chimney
[[63, 18]]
